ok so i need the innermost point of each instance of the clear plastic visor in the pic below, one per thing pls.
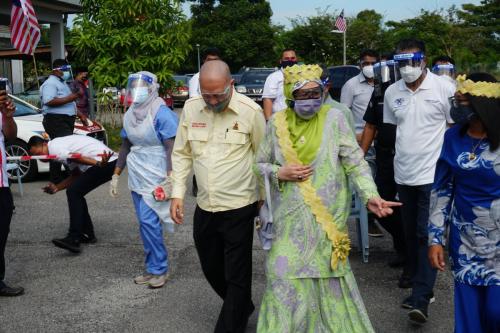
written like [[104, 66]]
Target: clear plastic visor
[[409, 59], [139, 88], [386, 72], [444, 69]]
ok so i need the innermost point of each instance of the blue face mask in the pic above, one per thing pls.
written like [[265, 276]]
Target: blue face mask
[[66, 75], [307, 108], [461, 114]]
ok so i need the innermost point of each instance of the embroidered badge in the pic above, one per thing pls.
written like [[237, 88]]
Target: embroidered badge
[[198, 125], [235, 126]]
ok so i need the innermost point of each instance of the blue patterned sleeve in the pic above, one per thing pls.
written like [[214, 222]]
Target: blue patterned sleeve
[[441, 197]]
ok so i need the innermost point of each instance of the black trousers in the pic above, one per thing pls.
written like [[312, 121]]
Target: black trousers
[[79, 218], [6, 209], [58, 125], [223, 241], [415, 213], [387, 189]]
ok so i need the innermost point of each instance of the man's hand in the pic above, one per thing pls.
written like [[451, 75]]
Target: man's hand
[[50, 188], [177, 210], [7, 107], [380, 207], [294, 173], [84, 119], [436, 257], [106, 155]]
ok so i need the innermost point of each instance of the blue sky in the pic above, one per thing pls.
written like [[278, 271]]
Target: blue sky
[[390, 9]]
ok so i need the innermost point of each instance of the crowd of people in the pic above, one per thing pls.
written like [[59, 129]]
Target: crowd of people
[[420, 147]]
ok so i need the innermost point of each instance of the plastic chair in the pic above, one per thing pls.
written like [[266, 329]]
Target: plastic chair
[[15, 167], [360, 213]]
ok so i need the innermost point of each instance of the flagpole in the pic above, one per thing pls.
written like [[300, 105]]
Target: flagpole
[[36, 71], [345, 47]]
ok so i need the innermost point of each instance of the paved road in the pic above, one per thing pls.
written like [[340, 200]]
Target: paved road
[[94, 292]]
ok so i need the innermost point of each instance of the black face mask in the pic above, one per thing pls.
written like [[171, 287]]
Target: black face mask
[[462, 114], [288, 63]]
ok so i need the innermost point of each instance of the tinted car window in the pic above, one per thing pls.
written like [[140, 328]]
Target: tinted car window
[[254, 78], [180, 78]]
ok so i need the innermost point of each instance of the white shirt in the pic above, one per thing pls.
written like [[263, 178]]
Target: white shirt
[[421, 118], [194, 86], [273, 89], [356, 94], [4, 181], [78, 144]]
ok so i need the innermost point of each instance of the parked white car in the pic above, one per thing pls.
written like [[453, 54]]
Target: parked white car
[[29, 124]]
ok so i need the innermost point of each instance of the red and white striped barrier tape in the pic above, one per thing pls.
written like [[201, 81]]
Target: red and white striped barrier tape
[[48, 157]]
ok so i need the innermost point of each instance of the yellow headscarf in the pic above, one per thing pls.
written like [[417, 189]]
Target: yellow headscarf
[[305, 134]]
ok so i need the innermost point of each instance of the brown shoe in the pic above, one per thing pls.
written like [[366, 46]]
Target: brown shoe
[[157, 281], [143, 279]]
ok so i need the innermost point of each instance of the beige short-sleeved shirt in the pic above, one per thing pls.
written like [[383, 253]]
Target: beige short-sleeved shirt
[[221, 148]]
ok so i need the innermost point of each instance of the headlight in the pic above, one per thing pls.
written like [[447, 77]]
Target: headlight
[[241, 89]]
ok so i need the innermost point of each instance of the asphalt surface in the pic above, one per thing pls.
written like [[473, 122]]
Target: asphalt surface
[[94, 291]]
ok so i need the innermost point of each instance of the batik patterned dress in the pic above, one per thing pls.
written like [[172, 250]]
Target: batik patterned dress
[[468, 175], [304, 293]]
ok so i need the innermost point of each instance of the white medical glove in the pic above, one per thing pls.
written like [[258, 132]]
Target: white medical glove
[[113, 186]]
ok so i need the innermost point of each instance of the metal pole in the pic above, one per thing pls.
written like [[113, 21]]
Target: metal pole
[[198, 47], [344, 49]]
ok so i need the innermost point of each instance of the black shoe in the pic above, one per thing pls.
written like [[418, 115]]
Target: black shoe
[[67, 243], [374, 230], [418, 314], [397, 262], [88, 239], [11, 291], [405, 283], [408, 303]]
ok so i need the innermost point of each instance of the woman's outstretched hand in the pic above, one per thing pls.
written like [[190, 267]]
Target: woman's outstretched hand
[[380, 207]]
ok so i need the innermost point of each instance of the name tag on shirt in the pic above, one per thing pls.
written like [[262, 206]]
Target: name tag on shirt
[[198, 125]]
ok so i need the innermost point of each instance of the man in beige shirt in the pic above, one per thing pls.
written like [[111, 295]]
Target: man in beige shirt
[[218, 135]]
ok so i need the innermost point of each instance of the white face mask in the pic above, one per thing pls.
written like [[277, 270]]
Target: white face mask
[[410, 74], [140, 94], [368, 72]]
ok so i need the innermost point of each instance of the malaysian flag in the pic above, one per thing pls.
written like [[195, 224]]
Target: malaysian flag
[[24, 28], [340, 22]]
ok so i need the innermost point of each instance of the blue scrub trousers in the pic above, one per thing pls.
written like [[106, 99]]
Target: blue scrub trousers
[[477, 308], [152, 237]]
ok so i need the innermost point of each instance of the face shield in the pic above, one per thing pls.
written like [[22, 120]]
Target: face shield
[[385, 74], [67, 72], [139, 88], [410, 65], [444, 69]]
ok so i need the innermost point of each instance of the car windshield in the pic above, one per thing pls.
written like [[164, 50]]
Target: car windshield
[[254, 78], [24, 110]]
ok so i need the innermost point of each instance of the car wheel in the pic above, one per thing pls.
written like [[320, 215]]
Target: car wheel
[[28, 170]]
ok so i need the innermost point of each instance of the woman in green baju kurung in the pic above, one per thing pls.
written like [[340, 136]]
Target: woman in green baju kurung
[[309, 154]]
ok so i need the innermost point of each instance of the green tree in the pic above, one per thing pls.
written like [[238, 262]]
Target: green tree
[[119, 37], [241, 29], [315, 42]]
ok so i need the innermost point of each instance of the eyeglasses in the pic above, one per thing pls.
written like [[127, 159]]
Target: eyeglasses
[[218, 96], [313, 93]]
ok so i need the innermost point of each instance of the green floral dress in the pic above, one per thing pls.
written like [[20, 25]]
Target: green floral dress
[[303, 292]]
